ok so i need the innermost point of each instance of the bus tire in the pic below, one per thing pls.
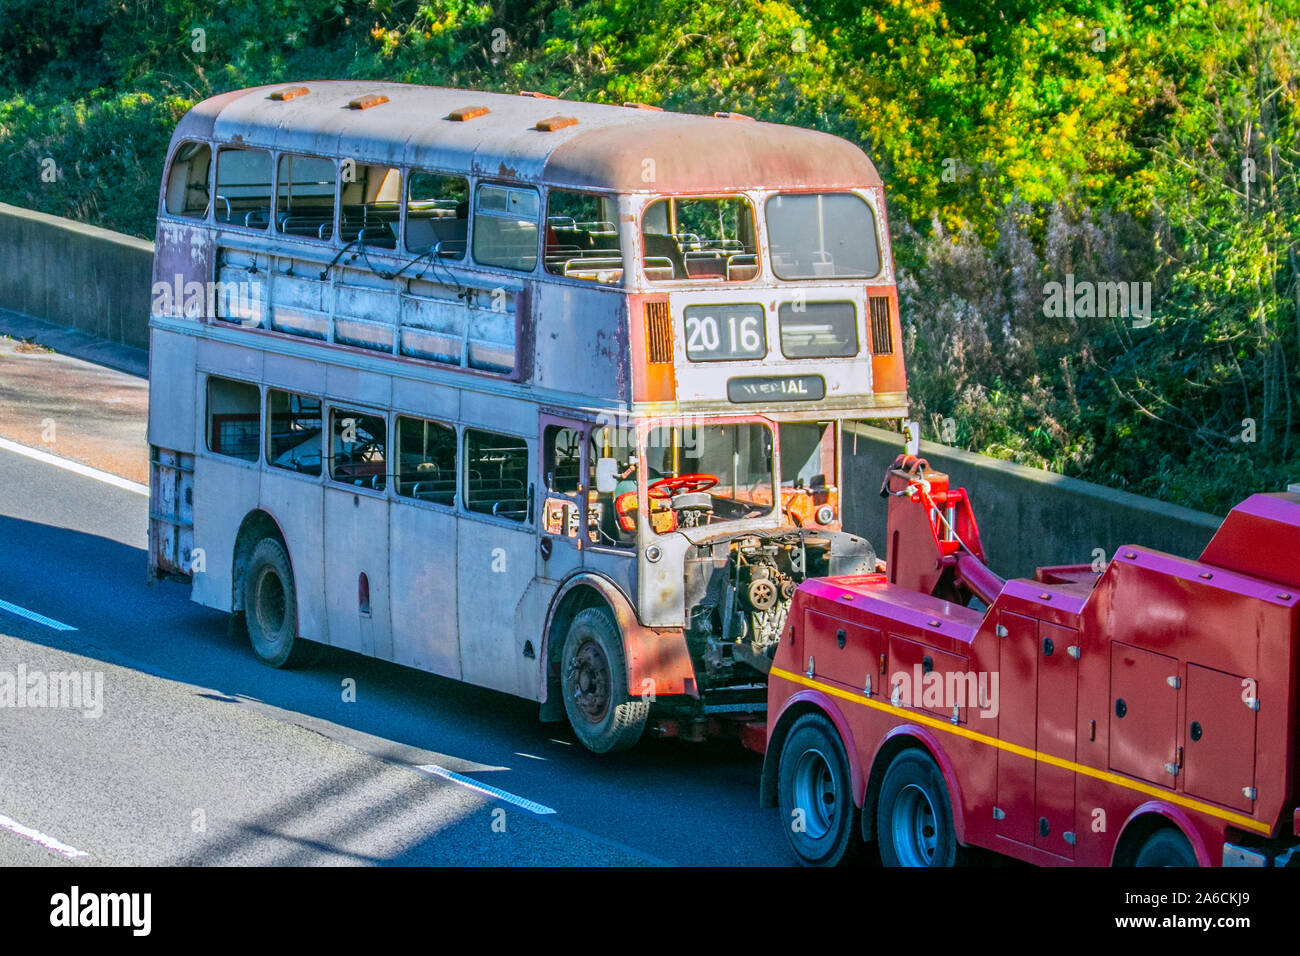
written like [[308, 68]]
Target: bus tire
[[271, 609], [593, 682], [815, 794], [1166, 847], [914, 814]]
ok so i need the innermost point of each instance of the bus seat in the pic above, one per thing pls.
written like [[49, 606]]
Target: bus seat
[[666, 247]]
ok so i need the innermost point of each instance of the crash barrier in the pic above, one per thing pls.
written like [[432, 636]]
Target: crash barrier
[[75, 275]]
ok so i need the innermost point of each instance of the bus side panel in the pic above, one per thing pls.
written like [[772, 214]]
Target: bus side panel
[[356, 571], [581, 340], [171, 371], [423, 569], [495, 566], [295, 504], [225, 490]]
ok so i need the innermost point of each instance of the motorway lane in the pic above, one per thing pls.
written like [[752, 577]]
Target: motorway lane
[[282, 769]]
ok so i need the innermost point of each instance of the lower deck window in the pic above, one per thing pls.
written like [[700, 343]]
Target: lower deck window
[[234, 418], [359, 449], [496, 474], [426, 461], [293, 424]]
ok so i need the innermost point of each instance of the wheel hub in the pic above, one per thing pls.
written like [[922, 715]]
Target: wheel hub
[[589, 680]]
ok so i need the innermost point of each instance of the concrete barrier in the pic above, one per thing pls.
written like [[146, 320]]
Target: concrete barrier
[[98, 281], [1027, 517], [75, 275]]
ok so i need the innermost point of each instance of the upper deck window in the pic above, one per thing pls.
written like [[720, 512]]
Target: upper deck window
[[582, 236], [437, 214], [187, 181], [244, 187], [305, 202], [699, 239], [505, 226], [822, 236], [369, 204]]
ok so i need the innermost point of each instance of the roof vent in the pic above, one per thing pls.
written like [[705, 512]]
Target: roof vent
[[553, 123], [538, 95], [365, 102], [466, 113], [734, 116], [644, 106], [289, 93]]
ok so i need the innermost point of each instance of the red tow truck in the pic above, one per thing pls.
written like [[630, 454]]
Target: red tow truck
[[1139, 715]]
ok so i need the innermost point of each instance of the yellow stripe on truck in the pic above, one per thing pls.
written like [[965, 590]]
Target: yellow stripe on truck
[[1245, 822]]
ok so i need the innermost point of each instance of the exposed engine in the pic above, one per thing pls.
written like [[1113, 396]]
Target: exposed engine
[[739, 590]]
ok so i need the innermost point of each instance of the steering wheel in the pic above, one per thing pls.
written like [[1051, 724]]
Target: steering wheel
[[682, 484]]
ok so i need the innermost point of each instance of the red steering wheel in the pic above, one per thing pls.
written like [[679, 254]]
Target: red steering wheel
[[682, 484]]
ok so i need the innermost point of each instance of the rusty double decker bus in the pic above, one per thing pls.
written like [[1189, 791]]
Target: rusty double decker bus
[[543, 396]]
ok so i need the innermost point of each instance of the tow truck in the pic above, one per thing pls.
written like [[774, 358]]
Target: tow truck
[[1142, 713]]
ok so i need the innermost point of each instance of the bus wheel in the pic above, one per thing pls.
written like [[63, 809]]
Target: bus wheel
[[602, 713], [815, 793], [1166, 847], [914, 814], [271, 608]]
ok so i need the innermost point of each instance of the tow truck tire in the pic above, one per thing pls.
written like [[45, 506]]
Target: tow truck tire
[[271, 609], [1166, 847], [914, 814], [593, 682], [815, 794]]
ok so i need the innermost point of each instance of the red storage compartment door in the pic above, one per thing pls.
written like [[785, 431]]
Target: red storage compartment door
[[1219, 748], [1143, 713], [856, 664]]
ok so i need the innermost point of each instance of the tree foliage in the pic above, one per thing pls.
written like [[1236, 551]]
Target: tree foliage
[[1020, 142]]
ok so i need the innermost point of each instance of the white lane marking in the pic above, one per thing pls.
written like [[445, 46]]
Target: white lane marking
[[73, 466], [33, 616], [36, 836], [488, 789]]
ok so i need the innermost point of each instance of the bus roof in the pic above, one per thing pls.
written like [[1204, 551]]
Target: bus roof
[[608, 148]]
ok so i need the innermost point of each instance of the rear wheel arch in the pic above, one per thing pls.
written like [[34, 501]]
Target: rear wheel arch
[[807, 702], [895, 743], [1144, 823], [257, 524], [572, 599]]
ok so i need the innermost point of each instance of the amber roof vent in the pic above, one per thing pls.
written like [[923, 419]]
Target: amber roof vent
[[289, 93], [365, 102], [734, 116], [553, 123], [466, 113]]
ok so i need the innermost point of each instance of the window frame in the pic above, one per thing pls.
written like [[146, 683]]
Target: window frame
[[277, 158], [457, 491], [208, 380], [529, 491], [328, 436], [266, 441], [882, 238], [272, 156], [623, 280], [760, 228], [476, 187], [207, 214]]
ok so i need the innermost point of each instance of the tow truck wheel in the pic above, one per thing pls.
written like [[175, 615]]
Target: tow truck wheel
[[593, 680], [815, 794], [271, 609], [1166, 847], [914, 814]]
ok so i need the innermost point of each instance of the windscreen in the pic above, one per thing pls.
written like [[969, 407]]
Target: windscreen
[[822, 236]]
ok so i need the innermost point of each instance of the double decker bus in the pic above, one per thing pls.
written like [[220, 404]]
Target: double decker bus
[[540, 395]]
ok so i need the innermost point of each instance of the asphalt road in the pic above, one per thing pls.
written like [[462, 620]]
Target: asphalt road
[[201, 755]]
